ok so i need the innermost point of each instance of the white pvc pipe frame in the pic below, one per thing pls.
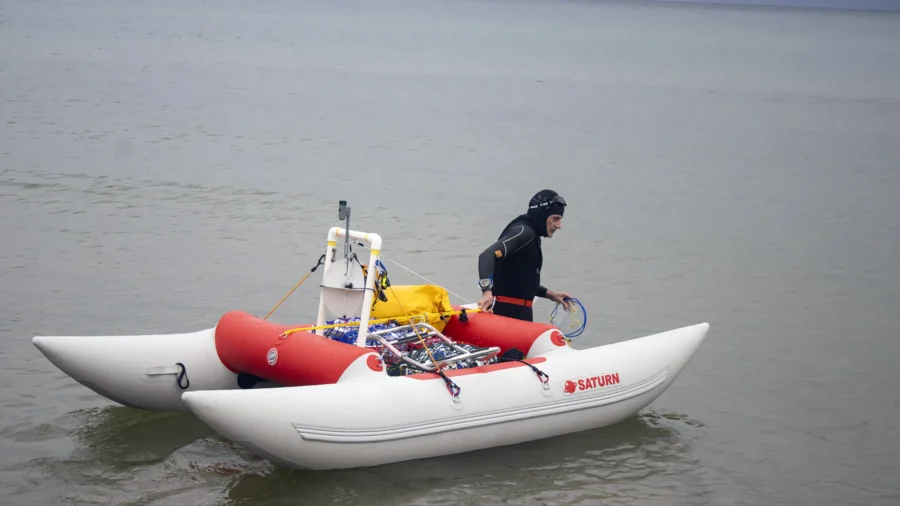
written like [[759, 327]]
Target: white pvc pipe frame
[[374, 241]]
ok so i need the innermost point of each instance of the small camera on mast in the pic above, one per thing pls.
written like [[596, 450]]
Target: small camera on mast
[[343, 210]]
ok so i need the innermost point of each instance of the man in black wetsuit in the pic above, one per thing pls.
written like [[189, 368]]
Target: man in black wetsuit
[[510, 269]]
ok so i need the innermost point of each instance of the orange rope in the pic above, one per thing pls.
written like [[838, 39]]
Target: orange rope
[[320, 262], [288, 295]]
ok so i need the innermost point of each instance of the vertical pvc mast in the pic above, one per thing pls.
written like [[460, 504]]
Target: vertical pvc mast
[[374, 241]]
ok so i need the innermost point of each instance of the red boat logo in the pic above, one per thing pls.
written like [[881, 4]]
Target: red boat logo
[[557, 338], [590, 383]]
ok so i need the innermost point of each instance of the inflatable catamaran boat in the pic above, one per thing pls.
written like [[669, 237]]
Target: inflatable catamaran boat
[[387, 373]]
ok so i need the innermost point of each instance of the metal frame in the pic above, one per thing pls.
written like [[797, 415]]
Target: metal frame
[[413, 333]]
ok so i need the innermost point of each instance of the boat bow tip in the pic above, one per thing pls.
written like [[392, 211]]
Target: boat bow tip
[[45, 345]]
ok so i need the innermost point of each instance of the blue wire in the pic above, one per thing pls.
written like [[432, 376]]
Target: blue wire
[[574, 333]]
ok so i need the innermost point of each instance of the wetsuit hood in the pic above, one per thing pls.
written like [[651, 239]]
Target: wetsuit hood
[[541, 206]]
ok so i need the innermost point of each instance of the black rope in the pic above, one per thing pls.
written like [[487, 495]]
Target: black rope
[[544, 377], [182, 376], [541, 374], [452, 387]]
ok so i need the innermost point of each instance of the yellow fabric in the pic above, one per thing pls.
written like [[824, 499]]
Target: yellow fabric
[[415, 300]]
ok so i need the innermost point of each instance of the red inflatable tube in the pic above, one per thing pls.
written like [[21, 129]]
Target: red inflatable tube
[[245, 343], [486, 329], [248, 344]]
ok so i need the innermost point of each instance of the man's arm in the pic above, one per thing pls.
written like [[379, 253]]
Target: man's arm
[[514, 240], [542, 291]]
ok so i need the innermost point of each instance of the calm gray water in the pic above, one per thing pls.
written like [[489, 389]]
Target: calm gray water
[[164, 162]]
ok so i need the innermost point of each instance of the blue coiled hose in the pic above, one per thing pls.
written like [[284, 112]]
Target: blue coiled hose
[[575, 306]]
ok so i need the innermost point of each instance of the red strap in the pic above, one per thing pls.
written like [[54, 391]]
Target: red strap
[[513, 300]]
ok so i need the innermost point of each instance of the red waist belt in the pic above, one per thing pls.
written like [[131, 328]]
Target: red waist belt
[[513, 300]]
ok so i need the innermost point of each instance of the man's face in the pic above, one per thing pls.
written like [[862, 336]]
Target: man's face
[[554, 223]]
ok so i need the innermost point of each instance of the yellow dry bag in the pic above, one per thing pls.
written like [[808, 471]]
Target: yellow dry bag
[[414, 300]]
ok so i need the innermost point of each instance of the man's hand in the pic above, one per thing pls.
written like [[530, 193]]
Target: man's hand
[[486, 301], [559, 297]]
